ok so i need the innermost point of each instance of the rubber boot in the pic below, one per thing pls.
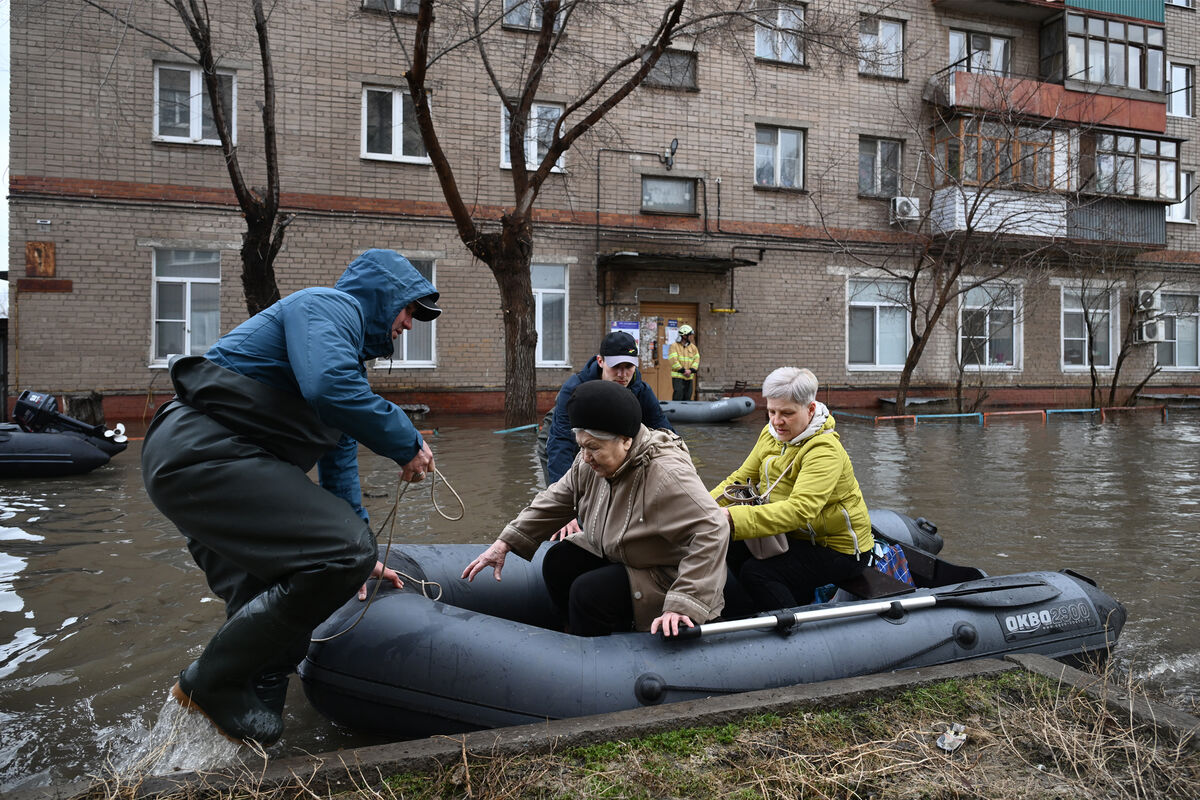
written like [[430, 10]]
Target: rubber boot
[[221, 682]]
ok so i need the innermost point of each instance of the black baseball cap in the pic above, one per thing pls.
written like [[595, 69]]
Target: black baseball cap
[[619, 348], [426, 308]]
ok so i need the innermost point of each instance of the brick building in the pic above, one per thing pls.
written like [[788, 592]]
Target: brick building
[[834, 162]]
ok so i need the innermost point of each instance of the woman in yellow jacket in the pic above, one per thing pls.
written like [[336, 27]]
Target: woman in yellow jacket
[[806, 491]]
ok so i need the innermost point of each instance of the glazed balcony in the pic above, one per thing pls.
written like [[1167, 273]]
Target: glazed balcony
[[1038, 10], [1027, 97]]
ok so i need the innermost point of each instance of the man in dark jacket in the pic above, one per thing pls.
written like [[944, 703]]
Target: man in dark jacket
[[617, 362], [226, 462]]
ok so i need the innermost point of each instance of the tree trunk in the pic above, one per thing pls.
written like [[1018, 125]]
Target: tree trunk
[[509, 262], [258, 271]]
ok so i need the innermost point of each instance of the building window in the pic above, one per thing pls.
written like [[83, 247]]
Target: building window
[[415, 348], [881, 47], [778, 36], [668, 195], [989, 334], [550, 314], [539, 135], [1182, 211], [980, 52], [1135, 166], [389, 126], [1181, 3], [980, 153], [877, 324], [1181, 321], [1179, 90], [1114, 52], [402, 6], [1081, 348], [183, 110], [187, 302], [778, 157], [675, 69], [525, 14], [878, 167]]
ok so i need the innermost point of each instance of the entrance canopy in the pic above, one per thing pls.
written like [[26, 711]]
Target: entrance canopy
[[673, 262]]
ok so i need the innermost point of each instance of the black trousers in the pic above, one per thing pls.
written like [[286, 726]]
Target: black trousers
[[591, 592], [252, 520], [785, 580], [681, 388]]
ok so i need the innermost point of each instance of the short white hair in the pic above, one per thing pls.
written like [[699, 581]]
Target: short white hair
[[605, 435], [796, 384]]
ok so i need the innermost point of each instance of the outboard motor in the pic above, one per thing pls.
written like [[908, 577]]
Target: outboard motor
[[36, 412], [919, 532]]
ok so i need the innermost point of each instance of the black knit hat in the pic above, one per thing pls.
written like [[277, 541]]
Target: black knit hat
[[601, 405]]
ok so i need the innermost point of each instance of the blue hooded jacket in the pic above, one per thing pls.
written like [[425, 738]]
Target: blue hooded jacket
[[314, 344], [560, 444]]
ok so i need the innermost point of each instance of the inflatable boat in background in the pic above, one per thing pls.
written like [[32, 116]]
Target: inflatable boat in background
[[44, 443], [488, 654], [720, 410]]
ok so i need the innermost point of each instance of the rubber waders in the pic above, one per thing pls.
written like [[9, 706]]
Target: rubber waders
[[221, 682]]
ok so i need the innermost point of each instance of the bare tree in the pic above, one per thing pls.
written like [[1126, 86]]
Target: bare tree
[[265, 225], [602, 77]]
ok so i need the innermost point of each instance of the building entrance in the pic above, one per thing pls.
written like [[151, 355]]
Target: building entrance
[[658, 325]]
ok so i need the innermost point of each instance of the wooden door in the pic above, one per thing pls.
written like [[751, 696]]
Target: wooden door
[[658, 324]]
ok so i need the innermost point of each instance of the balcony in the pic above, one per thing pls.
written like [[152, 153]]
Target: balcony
[[1010, 212], [1024, 10], [970, 91]]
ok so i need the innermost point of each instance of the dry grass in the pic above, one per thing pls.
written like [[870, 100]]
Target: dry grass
[[1027, 738]]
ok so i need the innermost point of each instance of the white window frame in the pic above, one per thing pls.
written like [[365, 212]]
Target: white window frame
[[877, 188], [1184, 210], [971, 58], [1016, 292], [873, 58], [779, 39], [539, 297], [1181, 3], [1113, 326], [196, 105], [679, 180], [875, 305], [187, 283], [400, 359], [513, 13], [1180, 99], [395, 6], [533, 158], [399, 98], [776, 156], [1170, 321]]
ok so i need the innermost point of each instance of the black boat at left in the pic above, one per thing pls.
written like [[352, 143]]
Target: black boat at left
[[44, 443]]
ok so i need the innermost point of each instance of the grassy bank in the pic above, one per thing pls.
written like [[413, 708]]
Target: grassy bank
[[1027, 737]]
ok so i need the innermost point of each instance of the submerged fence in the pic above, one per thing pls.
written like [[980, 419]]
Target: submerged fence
[[982, 417]]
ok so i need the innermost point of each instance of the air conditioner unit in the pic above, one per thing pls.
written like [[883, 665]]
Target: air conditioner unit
[[1150, 332], [1149, 300], [904, 209]]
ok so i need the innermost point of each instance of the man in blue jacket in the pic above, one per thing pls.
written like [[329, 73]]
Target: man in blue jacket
[[227, 461], [617, 362]]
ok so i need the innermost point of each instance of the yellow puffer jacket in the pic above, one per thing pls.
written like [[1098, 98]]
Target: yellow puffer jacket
[[814, 495]]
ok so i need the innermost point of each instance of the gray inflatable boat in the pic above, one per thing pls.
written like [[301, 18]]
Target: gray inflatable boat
[[490, 654], [720, 410]]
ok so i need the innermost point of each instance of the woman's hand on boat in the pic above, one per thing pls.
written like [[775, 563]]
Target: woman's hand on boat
[[386, 574], [492, 557], [566, 530], [669, 623]]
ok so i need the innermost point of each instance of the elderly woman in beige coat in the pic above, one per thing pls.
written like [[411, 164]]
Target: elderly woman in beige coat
[[651, 552]]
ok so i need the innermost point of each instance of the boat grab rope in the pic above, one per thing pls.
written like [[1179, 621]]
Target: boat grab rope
[[390, 522]]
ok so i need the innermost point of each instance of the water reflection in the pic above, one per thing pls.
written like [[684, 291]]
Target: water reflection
[[100, 604]]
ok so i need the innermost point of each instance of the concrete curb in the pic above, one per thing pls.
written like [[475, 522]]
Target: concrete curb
[[329, 773]]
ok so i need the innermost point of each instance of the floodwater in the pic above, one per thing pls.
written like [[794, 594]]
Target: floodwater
[[101, 606]]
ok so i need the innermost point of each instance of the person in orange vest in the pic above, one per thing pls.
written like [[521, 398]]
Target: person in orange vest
[[685, 361]]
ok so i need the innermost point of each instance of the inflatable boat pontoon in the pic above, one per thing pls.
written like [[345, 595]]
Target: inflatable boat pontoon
[[491, 654], [721, 410], [46, 444]]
